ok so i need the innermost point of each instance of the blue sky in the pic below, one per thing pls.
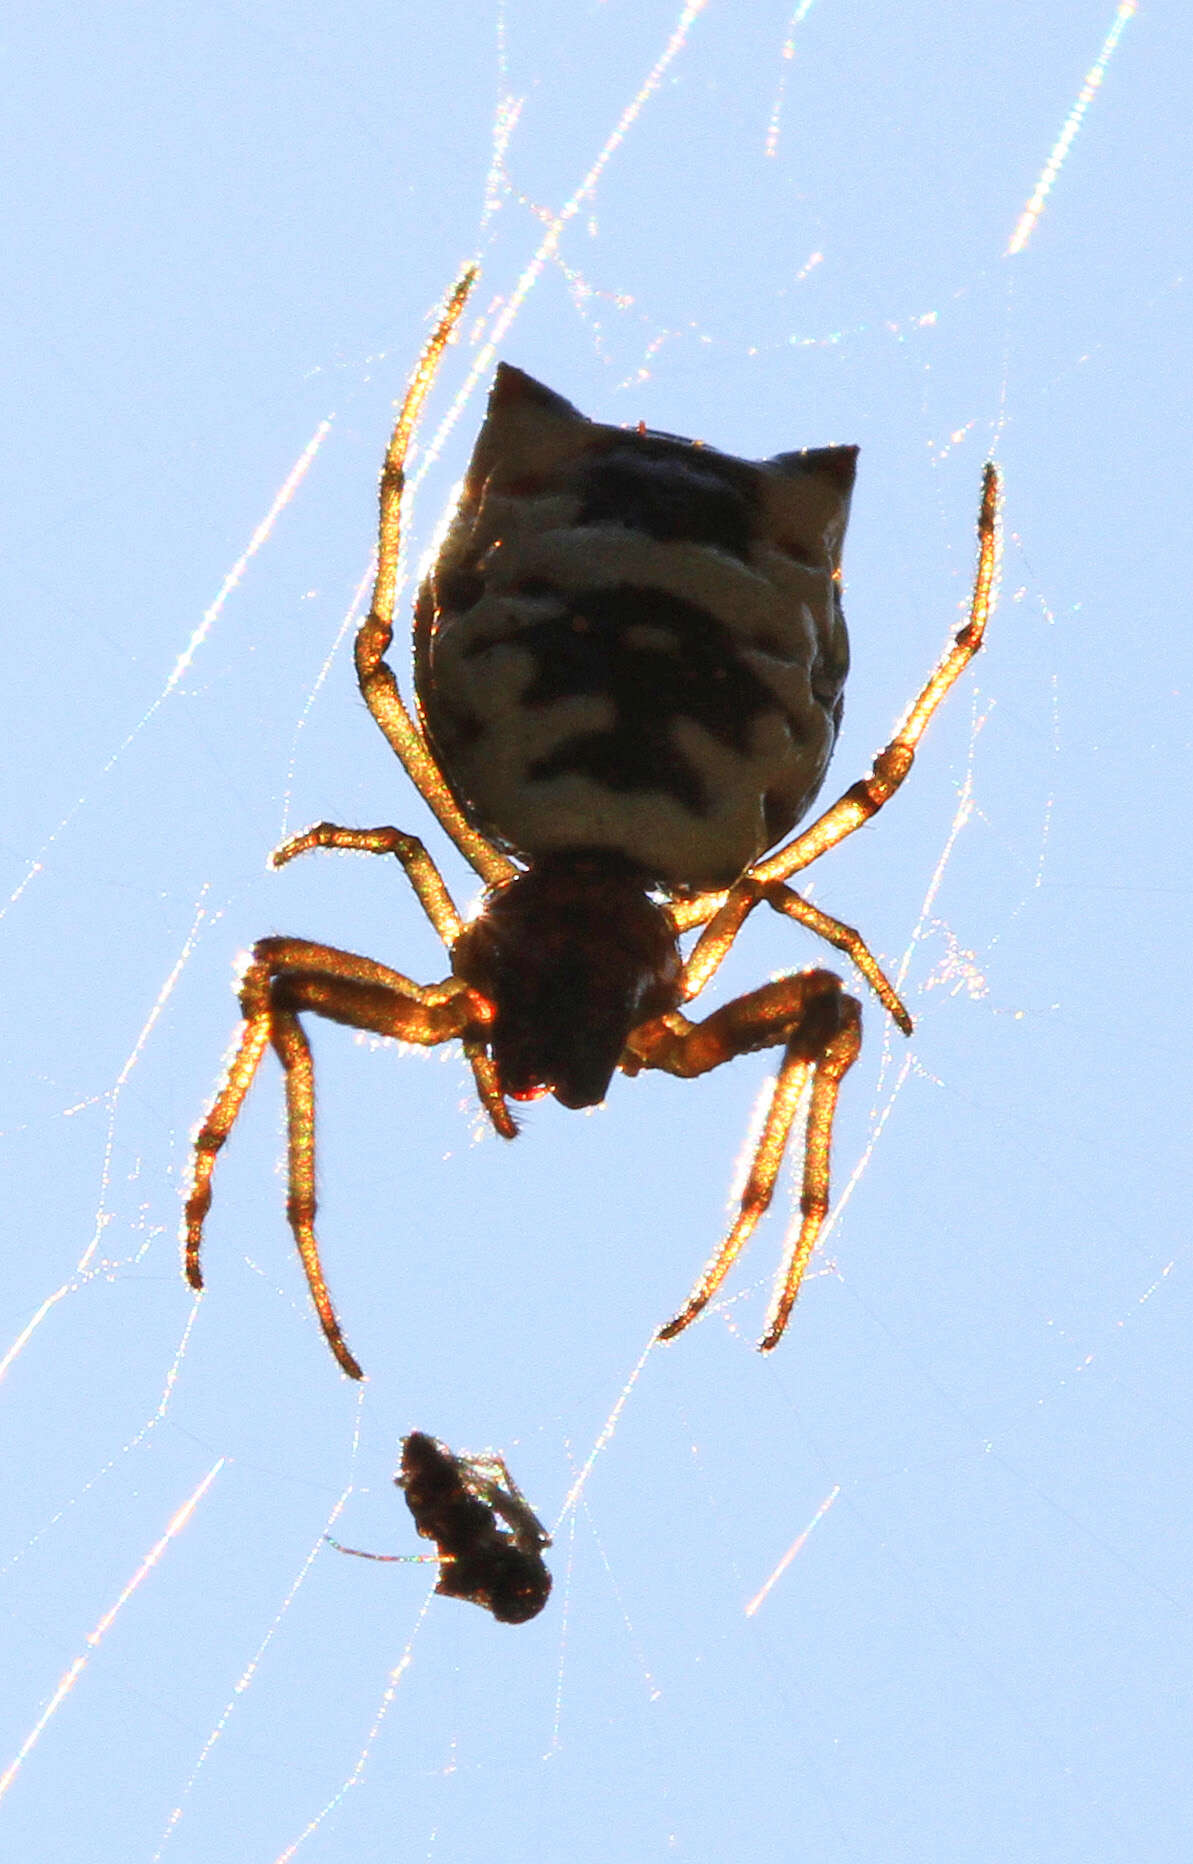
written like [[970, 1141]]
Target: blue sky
[[227, 228]]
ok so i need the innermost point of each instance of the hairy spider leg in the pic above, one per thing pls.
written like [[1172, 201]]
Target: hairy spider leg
[[441, 910], [828, 1058], [420, 869], [377, 682], [890, 768], [287, 976], [715, 941], [828, 1071], [820, 1028], [723, 914]]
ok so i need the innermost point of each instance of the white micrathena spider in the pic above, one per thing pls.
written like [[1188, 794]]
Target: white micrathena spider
[[629, 657]]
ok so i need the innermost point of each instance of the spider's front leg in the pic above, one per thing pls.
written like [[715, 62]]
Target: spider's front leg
[[820, 1028], [287, 976]]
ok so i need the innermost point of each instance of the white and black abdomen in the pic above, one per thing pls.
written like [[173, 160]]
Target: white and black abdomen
[[634, 643]]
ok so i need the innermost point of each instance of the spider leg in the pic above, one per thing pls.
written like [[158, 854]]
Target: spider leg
[[728, 914], [287, 976], [294, 1052], [714, 943], [420, 869], [441, 910], [847, 939], [866, 797], [820, 1029], [212, 1135], [488, 1088], [723, 913], [828, 1072], [377, 683]]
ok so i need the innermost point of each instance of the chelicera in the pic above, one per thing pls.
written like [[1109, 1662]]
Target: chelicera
[[629, 657]]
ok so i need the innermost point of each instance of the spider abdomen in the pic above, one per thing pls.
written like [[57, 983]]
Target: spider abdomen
[[632, 642]]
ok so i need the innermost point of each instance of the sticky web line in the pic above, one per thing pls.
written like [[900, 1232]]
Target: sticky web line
[[1026, 224], [249, 1673], [95, 1637], [354, 1778], [90, 1265], [211, 614]]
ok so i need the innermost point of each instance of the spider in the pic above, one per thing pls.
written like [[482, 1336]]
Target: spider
[[629, 657], [457, 1501]]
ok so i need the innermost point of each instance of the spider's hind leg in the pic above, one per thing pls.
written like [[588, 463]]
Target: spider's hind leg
[[863, 800], [379, 687]]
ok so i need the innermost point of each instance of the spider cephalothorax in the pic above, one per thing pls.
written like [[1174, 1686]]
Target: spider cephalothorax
[[573, 955], [629, 657]]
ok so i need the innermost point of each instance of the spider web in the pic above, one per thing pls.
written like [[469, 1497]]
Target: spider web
[[917, 1584]]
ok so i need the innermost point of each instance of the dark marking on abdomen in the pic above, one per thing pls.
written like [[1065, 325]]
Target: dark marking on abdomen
[[690, 670], [649, 487]]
